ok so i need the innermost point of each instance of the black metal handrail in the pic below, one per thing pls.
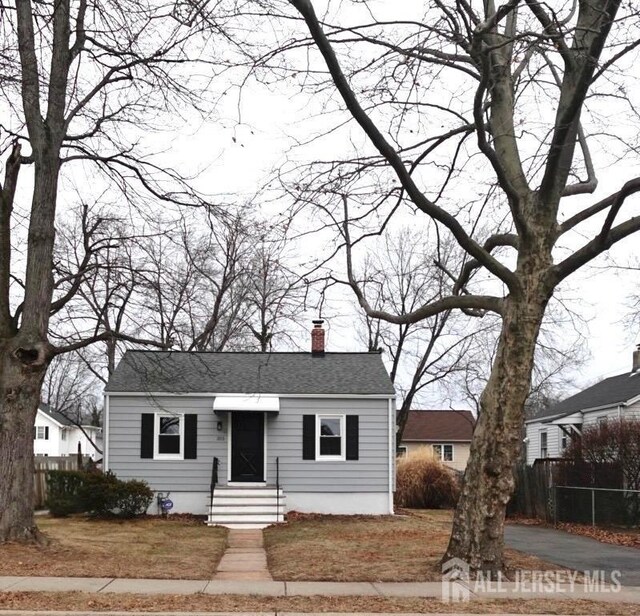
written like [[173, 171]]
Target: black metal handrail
[[214, 482], [277, 489]]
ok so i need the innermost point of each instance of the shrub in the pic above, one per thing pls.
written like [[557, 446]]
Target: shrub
[[99, 494], [134, 498], [65, 492], [105, 495], [424, 482]]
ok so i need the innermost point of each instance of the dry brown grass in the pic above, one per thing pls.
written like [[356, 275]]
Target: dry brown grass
[[107, 602], [143, 548], [401, 548]]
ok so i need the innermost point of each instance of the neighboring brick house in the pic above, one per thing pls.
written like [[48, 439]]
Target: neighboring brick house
[[447, 433]]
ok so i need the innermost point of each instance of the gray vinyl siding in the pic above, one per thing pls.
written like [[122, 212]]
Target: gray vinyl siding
[[533, 442], [164, 475], [370, 473]]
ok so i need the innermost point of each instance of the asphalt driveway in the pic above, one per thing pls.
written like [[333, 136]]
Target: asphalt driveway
[[575, 552]]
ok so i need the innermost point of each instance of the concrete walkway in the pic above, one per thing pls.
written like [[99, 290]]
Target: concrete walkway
[[297, 589], [576, 552], [245, 558]]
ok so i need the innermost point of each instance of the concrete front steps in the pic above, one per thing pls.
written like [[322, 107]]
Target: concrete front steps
[[247, 508]]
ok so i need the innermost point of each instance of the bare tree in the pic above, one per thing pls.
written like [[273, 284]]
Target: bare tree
[[72, 390], [399, 277], [475, 117], [275, 293], [76, 74]]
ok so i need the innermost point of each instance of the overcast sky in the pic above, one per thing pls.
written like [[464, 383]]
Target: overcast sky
[[249, 137]]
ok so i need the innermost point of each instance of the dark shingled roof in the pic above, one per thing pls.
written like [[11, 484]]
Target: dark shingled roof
[[439, 426], [611, 391], [45, 408], [250, 373]]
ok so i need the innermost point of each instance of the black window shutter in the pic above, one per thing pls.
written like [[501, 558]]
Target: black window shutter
[[308, 437], [353, 437], [190, 437], [146, 438], [46, 433]]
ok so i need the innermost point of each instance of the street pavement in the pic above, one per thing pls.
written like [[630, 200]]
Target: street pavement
[[576, 552]]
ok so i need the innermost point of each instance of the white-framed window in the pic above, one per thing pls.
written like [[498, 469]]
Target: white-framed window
[[330, 437], [42, 433], [168, 436], [444, 452], [402, 451], [564, 442], [63, 435], [544, 449]]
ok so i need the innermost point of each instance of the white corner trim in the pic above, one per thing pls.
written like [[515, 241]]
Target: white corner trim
[[105, 436], [391, 450]]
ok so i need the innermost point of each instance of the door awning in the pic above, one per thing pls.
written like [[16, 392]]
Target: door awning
[[246, 402]]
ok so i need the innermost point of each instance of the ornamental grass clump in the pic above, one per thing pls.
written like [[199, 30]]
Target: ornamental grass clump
[[424, 482]]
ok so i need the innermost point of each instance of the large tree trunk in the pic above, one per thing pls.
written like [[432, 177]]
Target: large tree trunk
[[20, 386], [25, 355], [478, 527]]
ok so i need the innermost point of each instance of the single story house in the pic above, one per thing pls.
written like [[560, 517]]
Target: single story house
[[54, 435], [549, 433], [270, 432], [447, 433]]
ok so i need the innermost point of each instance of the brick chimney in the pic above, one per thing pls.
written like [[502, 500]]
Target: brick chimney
[[317, 338], [636, 360]]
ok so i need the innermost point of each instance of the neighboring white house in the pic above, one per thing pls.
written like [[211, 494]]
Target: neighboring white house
[[55, 435], [548, 434]]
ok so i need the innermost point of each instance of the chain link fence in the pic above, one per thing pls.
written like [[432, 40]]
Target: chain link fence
[[596, 506]]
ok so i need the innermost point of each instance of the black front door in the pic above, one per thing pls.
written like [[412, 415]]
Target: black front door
[[247, 446]]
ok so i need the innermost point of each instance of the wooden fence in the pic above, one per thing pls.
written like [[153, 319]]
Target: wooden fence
[[536, 497], [533, 495], [42, 464]]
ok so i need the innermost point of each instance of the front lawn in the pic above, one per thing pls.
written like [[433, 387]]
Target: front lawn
[[401, 548], [144, 548]]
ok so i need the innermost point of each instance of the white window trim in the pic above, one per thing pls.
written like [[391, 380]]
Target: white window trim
[[156, 434], [442, 446], [403, 450], [343, 437], [564, 442], [546, 444], [44, 433]]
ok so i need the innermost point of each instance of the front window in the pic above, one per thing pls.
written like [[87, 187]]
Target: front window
[[330, 441], [42, 433], [63, 435], [543, 445], [169, 436], [444, 452]]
